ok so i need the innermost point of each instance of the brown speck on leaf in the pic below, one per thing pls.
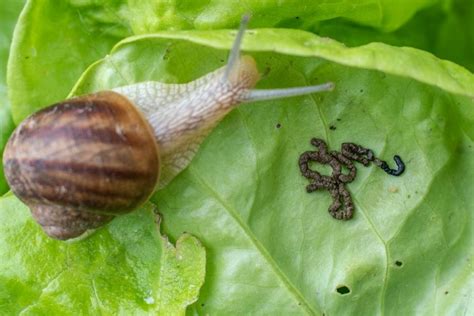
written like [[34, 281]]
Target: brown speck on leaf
[[393, 189]]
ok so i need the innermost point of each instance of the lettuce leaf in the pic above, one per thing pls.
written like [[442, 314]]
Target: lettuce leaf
[[152, 16], [271, 247], [8, 15], [126, 267], [446, 31], [244, 198]]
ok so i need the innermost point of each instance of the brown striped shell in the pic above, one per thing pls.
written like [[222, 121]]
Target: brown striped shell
[[80, 162]]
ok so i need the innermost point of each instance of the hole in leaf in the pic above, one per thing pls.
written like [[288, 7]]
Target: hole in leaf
[[343, 290], [398, 263]]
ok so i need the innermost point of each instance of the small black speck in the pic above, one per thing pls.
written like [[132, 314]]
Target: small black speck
[[202, 305], [297, 17], [343, 290], [408, 196], [446, 293], [361, 90], [332, 128], [338, 119], [222, 60], [278, 125], [398, 263]]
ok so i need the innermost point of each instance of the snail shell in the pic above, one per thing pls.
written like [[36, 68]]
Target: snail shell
[[78, 163]]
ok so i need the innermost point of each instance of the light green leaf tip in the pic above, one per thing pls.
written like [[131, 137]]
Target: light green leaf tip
[[126, 267]]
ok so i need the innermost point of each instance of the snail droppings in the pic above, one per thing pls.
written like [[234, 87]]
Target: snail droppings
[[342, 207]]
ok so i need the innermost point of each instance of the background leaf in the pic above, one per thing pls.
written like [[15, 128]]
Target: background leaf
[[244, 197], [444, 30], [152, 16], [54, 53], [127, 267], [8, 15]]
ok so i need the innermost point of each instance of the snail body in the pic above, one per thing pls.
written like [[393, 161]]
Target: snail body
[[81, 162]]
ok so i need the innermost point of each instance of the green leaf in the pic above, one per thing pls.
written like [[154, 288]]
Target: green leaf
[[6, 127], [8, 15], [152, 16], [446, 32], [52, 45], [272, 246], [455, 40], [127, 267]]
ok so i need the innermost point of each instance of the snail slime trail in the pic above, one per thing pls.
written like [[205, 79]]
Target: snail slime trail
[[79, 163], [342, 206]]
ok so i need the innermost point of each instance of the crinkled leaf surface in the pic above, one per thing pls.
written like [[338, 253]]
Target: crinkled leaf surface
[[126, 267], [273, 248], [8, 15]]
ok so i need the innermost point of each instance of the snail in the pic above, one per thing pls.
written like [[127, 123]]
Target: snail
[[79, 163]]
